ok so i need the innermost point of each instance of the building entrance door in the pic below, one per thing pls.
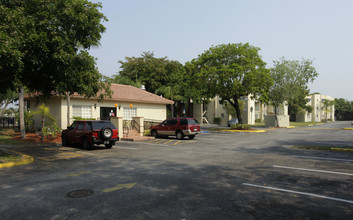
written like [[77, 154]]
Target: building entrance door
[[107, 112]]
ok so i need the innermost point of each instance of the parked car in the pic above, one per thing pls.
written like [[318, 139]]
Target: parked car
[[232, 121], [90, 132], [179, 127]]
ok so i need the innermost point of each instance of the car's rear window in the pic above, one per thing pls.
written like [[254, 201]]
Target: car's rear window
[[100, 125], [193, 122]]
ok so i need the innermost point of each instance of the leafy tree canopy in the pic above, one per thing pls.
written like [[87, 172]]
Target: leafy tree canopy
[[231, 71], [43, 39], [291, 78], [154, 73], [343, 109]]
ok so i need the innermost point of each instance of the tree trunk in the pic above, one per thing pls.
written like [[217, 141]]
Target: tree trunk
[[235, 105], [172, 109], [68, 108], [22, 113], [276, 117], [42, 127]]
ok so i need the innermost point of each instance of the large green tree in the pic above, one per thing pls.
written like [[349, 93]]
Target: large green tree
[[232, 71], [44, 46], [152, 72], [343, 109], [291, 78], [159, 75]]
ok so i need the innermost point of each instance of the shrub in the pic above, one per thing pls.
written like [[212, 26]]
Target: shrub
[[147, 132], [77, 118], [241, 126], [258, 120], [217, 121], [51, 129]]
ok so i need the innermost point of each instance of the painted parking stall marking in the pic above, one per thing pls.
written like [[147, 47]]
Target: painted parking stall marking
[[61, 156], [128, 148], [323, 158], [167, 142], [312, 170], [119, 187], [79, 173], [298, 192]]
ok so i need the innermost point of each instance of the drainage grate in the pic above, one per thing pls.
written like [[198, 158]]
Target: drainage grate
[[79, 193]]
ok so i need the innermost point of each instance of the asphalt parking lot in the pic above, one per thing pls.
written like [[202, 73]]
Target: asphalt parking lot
[[218, 175]]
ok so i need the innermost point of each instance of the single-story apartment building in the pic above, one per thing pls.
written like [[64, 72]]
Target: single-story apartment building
[[126, 101]]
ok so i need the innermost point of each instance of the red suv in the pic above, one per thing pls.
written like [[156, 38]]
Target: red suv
[[90, 132], [179, 127]]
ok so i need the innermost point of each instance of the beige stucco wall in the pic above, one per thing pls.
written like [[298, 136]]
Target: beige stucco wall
[[58, 109], [220, 112], [318, 114], [197, 111], [156, 112], [52, 104], [213, 110], [283, 121]]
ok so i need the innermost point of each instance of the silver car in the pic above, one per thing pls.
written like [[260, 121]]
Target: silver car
[[232, 121]]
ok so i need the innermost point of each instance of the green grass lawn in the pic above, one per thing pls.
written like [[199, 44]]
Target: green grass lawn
[[6, 157], [304, 124], [325, 148], [6, 139]]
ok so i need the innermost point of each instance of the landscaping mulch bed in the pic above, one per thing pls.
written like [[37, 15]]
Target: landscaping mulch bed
[[37, 138]]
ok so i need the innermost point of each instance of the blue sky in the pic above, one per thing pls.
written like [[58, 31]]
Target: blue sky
[[321, 30]]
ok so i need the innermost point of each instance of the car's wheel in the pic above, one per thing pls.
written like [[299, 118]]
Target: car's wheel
[[106, 133], [154, 133], [108, 146], [86, 144], [65, 141], [179, 135], [191, 137]]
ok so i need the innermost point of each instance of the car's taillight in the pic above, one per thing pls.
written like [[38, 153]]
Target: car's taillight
[[94, 134]]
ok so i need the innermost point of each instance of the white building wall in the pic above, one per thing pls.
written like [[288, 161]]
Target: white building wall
[[318, 114]]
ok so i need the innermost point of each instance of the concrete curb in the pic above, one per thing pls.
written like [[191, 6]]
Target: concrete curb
[[25, 159]]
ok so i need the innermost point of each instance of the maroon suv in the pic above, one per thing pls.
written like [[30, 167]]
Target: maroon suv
[[178, 127], [89, 132]]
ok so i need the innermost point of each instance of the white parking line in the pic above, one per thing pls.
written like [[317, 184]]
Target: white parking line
[[297, 192], [324, 158], [128, 148], [311, 170]]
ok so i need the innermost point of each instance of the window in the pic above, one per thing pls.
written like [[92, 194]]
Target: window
[[257, 107], [171, 122], [88, 126], [183, 122], [193, 122], [80, 126], [73, 126], [82, 111], [129, 113]]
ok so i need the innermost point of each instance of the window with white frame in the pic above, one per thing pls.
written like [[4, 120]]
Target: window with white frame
[[129, 113], [82, 111]]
